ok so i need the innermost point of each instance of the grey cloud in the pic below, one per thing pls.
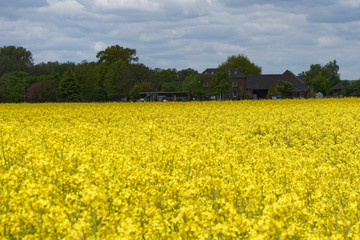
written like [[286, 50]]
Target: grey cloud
[[282, 3], [23, 3], [334, 14], [191, 33]]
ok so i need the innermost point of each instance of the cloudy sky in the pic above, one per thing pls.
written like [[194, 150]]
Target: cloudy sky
[[276, 35]]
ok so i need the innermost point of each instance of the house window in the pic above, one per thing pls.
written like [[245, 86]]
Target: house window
[[235, 94], [206, 84], [235, 83]]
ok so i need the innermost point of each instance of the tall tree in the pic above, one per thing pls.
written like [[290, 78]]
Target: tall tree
[[114, 53], [69, 89], [14, 58], [221, 84], [88, 80], [242, 63], [115, 85], [323, 78], [111, 55], [331, 72]]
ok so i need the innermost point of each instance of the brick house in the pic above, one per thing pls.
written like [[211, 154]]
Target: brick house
[[256, 86], [238, 82]]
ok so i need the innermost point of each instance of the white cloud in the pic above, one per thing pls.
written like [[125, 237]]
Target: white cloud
[[63, 8], [350, 3], [328, 41], [99, 46], [115, 5]]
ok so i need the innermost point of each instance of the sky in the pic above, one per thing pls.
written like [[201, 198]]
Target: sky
[[276, 35]]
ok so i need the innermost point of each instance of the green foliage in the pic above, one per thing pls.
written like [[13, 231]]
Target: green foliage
[[193, 85], [113, 83], [88, 81], [143, 86], [355, 88], [273, 91], [221, 83], [51, 68], [168, 80], [167, 76], [14, 87], [242, 63], [285, 88], [323, 78], [169, 87], [68, 90], [138, 74], [321, 84], [114, 53], [183, 74], [14, 58]]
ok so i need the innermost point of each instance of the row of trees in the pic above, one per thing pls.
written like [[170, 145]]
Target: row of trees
[[117, 75]]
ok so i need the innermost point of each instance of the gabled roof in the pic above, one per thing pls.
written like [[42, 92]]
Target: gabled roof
[[297, 83], [263, 81], [338, 86], [266, 81]]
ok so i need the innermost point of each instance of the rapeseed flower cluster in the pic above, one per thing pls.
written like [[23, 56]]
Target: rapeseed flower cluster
[[286, 169]]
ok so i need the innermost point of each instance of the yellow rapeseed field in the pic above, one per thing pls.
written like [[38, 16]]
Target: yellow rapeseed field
[[271, 169]]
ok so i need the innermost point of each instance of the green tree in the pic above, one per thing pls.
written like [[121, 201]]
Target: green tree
[[168, 80], [285, 88], [115, 53], [355, 88], [331, 72], [221, 83], [323, 78], [69, 89], [88, 81], [14, 87], [110, 56], [242, 63], [14, 58], [273, 91], [321, 84], [144, 86], [114, 84], [138, 73], [183, 74], [193, 85]]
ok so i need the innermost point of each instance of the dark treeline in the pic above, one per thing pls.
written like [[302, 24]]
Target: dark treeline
[[118, 76]]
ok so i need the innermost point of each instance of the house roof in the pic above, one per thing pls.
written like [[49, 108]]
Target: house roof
[[338, 86], [264, 81], [296, 82]]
